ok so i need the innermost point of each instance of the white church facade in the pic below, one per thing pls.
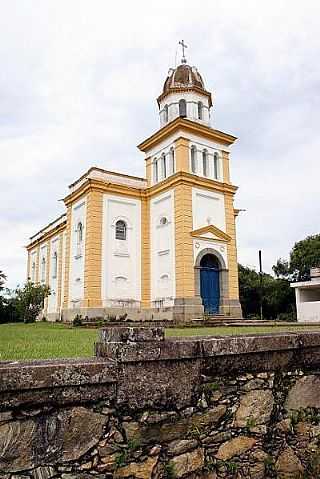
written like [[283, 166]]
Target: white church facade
[[158, 247]]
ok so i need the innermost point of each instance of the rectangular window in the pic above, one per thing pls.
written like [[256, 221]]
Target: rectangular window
[[216, 167], [155, 172], [164, 166]]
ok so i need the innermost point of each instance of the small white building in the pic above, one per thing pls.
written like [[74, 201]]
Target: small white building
[[308, 297]]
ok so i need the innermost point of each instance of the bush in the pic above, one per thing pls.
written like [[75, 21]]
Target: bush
[[290, 317], [29, 300], [77, 320]]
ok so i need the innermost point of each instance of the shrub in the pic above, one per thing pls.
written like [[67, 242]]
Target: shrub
[[29, 300], [77, 320]]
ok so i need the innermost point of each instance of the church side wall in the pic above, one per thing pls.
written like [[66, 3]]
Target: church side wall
[[53, 276], [162, 226], [145, 254], [77, 254], [121, 259]]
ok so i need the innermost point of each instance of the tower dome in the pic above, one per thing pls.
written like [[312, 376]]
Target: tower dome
[[184, 95], [184, 76]]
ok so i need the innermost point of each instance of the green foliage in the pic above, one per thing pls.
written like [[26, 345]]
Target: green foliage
[[194, 432], [29, 300], [211, 387], [134, 444], [269, 465], [250, 423], [278, 297], [3, 279], [170, 472], [121, 459], [309, 414], [304, 255]]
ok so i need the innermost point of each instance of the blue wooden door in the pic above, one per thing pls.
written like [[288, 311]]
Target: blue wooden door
[[209, 289]]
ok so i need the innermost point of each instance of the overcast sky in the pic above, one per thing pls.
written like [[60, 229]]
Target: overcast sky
[[78, 87]]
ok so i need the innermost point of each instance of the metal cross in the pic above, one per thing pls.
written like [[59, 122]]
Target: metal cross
[[183, 45]]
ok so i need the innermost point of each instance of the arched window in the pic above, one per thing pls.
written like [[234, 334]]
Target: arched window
[[43, 269], [200, 107], [155, 171], [216, 165], [166, 114], [182, 108], [193, 159], [79, 233], [54, 265], [121, 230], [172, 166], [205, 163], [163, 165]]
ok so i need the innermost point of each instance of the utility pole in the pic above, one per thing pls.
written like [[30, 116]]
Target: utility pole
[[261, 291]]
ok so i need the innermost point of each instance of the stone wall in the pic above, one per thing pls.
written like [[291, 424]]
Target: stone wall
[[147, 407]]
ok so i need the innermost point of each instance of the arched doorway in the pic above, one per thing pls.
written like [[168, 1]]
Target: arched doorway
[[210, 283]]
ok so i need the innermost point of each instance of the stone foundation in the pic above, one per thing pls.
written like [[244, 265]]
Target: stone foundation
[[148, 407], [183, 310]]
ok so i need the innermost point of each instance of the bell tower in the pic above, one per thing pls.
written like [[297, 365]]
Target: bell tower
[[187, 169]]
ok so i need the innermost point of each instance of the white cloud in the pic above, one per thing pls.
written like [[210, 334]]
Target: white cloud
[[78, 87]]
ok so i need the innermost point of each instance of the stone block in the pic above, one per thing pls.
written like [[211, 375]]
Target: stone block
[[187, 463], [255, 408], [288, 465], [305, 393], [122, 334], [235, 447]]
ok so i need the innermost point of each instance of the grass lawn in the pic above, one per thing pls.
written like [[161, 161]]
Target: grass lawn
[[52, 340]]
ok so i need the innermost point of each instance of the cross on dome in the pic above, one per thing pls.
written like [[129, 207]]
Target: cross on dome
[[183, 46]]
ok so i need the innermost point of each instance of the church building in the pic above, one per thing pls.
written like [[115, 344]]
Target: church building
[[158, 247]]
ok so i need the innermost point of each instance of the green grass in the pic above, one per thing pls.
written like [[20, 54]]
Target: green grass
[[45, 341], [51, 340]]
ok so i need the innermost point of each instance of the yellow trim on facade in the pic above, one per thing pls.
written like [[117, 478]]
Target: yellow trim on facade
[[93, 250], [181, 148], [231, 248], [190, 127], [47, 236], [221, 235], [183, 241], [225, 167], [149, 171], [162, 186]]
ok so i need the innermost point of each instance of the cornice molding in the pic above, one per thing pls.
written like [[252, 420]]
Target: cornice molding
[[189, 127], [47, 236]]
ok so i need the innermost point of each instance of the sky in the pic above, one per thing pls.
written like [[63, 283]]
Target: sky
[[78, 88]]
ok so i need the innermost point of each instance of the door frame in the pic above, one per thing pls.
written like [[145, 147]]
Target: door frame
[[223, 274]]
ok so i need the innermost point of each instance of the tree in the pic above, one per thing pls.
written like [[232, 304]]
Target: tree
[[304, 255], [278, 297], [29, 300], [3, 279]]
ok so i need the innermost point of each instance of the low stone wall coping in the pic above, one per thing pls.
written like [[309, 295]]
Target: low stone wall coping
[[201, 347], [134, 372]]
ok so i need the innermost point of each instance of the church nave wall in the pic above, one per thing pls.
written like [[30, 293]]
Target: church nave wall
[[77, 253], [121, 251], [162, 230]]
